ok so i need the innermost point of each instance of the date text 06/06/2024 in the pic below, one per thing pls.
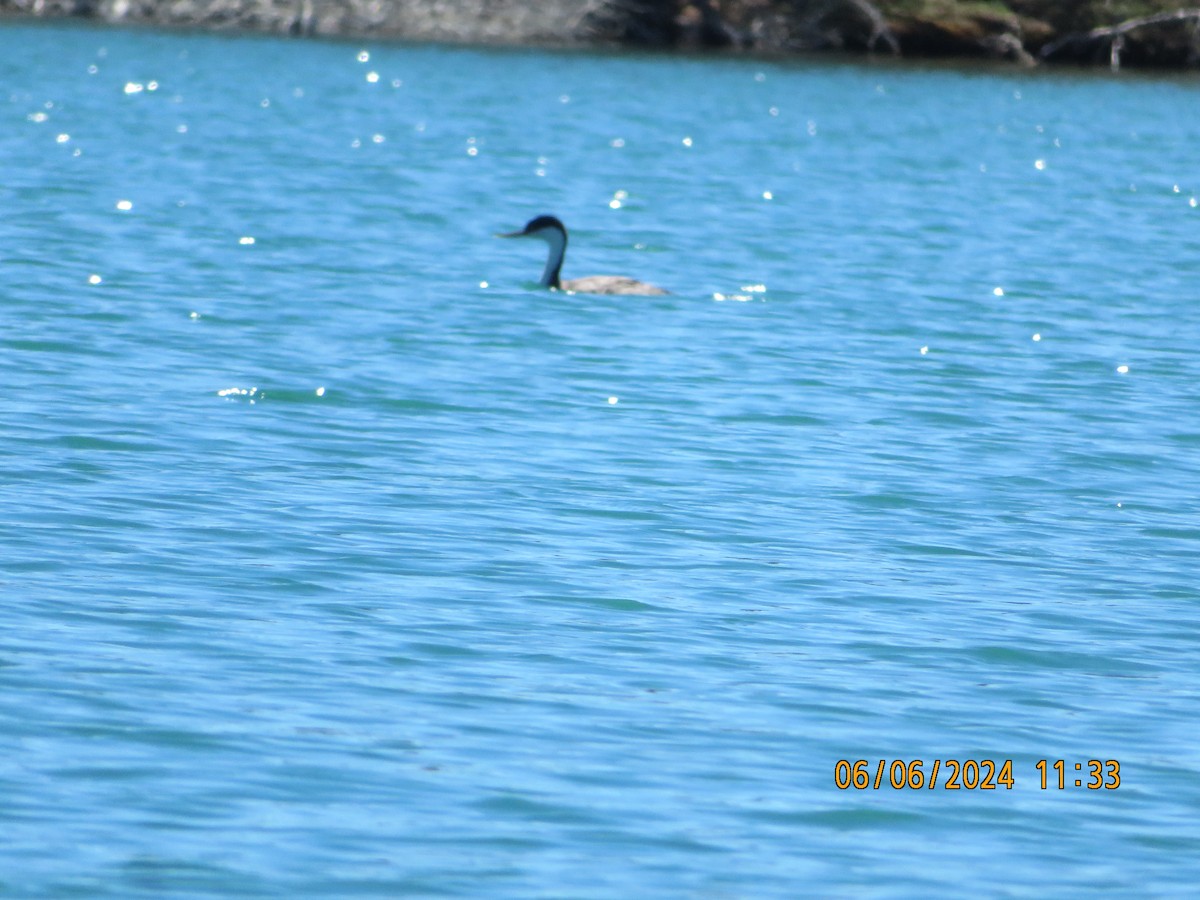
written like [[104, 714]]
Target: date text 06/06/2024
[[973, 774]]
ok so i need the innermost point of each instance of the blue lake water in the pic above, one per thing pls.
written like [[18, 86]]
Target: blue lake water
[[338, 559]]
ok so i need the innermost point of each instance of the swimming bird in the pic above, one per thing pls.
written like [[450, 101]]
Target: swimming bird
[[554, 233]]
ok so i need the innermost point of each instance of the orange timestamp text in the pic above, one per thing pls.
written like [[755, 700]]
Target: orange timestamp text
[[971, 774]]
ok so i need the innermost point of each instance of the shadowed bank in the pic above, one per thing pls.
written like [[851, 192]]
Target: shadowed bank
[[1155, 33]]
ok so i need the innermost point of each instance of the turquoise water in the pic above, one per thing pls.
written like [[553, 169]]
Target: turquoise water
[[339, 560]]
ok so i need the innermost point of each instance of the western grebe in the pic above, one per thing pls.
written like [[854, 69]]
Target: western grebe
[[552, 231]]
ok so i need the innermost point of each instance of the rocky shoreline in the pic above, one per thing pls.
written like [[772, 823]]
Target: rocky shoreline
[[1027, 32]]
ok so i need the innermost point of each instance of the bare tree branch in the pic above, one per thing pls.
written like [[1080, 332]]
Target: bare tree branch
[[1115, 34]]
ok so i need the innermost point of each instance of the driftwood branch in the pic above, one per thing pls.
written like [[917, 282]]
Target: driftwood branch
[[1115, 35], [879, 26], [716, 30], [1008, 46], [835, 23]]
